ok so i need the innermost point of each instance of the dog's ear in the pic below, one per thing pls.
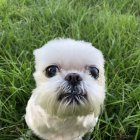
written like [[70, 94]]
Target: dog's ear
[[36, 54], [39, 58], [39, 65]]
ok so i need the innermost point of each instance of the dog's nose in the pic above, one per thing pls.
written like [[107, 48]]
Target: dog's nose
[[73, 78]]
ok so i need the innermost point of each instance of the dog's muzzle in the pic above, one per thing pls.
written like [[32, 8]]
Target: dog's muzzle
[[73, 92]]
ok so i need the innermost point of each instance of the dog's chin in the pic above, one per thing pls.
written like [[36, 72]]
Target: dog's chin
[[72, 104]]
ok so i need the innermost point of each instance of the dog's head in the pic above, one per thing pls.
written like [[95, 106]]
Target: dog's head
[[69, 78]]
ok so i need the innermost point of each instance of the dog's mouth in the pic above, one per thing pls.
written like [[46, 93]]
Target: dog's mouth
[[72, 98], [74, 95]]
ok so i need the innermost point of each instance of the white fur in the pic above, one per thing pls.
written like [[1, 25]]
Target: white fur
[[53, 120]]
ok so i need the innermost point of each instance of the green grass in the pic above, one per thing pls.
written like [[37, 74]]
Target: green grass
[[112, 26]]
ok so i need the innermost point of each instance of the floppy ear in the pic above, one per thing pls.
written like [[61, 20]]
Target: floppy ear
[[40, 58], [36, 54], [38, 75]]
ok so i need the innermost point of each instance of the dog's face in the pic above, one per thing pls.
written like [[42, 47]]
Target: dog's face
[[69, 77]]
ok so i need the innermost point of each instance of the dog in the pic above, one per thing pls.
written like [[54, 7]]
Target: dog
[[70, 90]]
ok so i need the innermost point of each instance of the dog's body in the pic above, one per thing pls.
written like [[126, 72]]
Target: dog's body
[[55, 128], [70, 90]]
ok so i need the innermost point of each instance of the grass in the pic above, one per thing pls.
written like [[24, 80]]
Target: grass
[[112, 26]]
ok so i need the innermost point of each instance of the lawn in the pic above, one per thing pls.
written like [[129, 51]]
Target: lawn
[[113, 26]]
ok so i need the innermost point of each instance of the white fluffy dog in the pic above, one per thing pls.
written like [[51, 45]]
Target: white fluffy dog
[[70, 90]]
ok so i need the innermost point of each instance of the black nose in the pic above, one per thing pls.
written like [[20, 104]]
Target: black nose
[[73, 78]]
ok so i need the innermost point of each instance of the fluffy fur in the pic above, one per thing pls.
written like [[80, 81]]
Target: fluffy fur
[[45, 115]]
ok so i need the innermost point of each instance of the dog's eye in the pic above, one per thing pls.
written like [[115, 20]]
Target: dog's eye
[[94, 72], [51, 70]]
